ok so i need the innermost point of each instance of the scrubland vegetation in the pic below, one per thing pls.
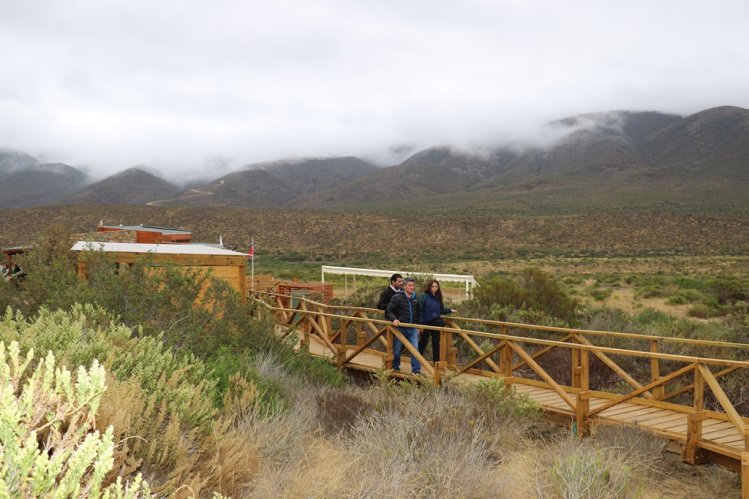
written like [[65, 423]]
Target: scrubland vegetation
[[120, 386]]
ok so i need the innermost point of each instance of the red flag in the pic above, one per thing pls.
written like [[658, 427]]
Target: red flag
[[251, 253]]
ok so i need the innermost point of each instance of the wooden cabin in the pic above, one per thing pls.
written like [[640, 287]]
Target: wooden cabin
[[149, 234], [223, 263]]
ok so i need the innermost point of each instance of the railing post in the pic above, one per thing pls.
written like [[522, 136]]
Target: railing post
[[451, 353], [439, 367], [505, 357], [694, 420], [576, 369], [694, 434], [343, 346], [388, 359], [341, 356], [584, 370], [304, 340], [446, 341], [361, 337], [505, 361], [655, 371], [699, 390], [582, 406]]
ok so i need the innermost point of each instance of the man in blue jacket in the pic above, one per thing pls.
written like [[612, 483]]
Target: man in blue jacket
[[404, 307]]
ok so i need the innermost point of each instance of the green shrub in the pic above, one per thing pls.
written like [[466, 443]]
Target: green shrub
[[684, 296], [728, 289], [161, 404], [49, 442], [600, 294], [532, 289]]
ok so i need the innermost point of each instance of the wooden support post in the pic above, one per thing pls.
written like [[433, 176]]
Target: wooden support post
[[584, 370], [505, 360], [439, 368], [388, 359], [699, 390], [694, 420], [655, 371], [341, 356], [304, 341], [576, 369], [361, 337], [446, 342], [451, 352], [694, 435], [452, 358], [342, 351], [582, 406], [745, 475]]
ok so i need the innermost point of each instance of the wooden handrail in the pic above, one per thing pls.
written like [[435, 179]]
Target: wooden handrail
[[538, 341], [593, 332]]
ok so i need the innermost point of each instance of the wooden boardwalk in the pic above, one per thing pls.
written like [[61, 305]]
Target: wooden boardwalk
[[681, 400], [718, 435]]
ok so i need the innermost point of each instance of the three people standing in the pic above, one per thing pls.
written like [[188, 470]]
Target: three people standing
[[402, 304]]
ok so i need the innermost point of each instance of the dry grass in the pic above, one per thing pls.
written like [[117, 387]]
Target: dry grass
[[416, 441]]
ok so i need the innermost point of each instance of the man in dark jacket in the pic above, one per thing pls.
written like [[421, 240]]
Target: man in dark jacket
[[396, 280], [404, 307]]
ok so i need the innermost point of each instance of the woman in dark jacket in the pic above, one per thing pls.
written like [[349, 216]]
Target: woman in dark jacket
[[432, 306]]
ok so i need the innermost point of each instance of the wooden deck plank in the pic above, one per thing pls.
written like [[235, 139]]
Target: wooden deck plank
[[716, 435], [660, 413], [619, 409], [666, 420], [634, 414], [734, 440]]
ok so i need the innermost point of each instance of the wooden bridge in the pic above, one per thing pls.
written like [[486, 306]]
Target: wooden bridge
[[666, 385]]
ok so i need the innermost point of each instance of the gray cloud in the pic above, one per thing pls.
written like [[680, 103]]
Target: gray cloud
[[177, 85]]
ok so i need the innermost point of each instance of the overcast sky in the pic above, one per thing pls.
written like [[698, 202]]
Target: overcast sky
[[186, 86]]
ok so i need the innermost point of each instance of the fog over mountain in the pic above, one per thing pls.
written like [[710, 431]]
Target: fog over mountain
[[700, 159], [199, 90]]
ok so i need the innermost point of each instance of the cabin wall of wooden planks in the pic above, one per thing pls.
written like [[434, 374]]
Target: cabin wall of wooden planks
[[230, 269]]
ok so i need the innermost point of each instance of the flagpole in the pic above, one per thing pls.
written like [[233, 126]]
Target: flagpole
[[252, 263]]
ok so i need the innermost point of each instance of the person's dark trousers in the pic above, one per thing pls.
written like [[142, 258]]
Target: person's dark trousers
[[424, 340]]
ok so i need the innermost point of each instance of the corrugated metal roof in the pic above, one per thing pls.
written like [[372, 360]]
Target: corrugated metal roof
[[161, 249], [147, 228]]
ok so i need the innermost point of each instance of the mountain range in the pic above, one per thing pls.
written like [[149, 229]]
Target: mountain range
[[597, 159]]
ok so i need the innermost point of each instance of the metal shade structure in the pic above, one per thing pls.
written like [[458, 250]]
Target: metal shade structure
[[469, 280]]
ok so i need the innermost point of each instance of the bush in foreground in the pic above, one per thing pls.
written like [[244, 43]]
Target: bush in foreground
[[49, 442]]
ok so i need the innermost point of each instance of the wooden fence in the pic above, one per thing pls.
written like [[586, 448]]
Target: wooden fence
[[668, 385]]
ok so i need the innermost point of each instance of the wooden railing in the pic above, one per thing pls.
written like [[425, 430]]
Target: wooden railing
[[655, 371]]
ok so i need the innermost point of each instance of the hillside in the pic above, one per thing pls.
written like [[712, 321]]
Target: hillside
[[274, 184], [367, 237], [25, 182], [132, 186], [603, 160], [597, 161]]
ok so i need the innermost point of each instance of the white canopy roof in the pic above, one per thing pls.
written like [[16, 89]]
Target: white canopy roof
[[469, 280], [161, 249]]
